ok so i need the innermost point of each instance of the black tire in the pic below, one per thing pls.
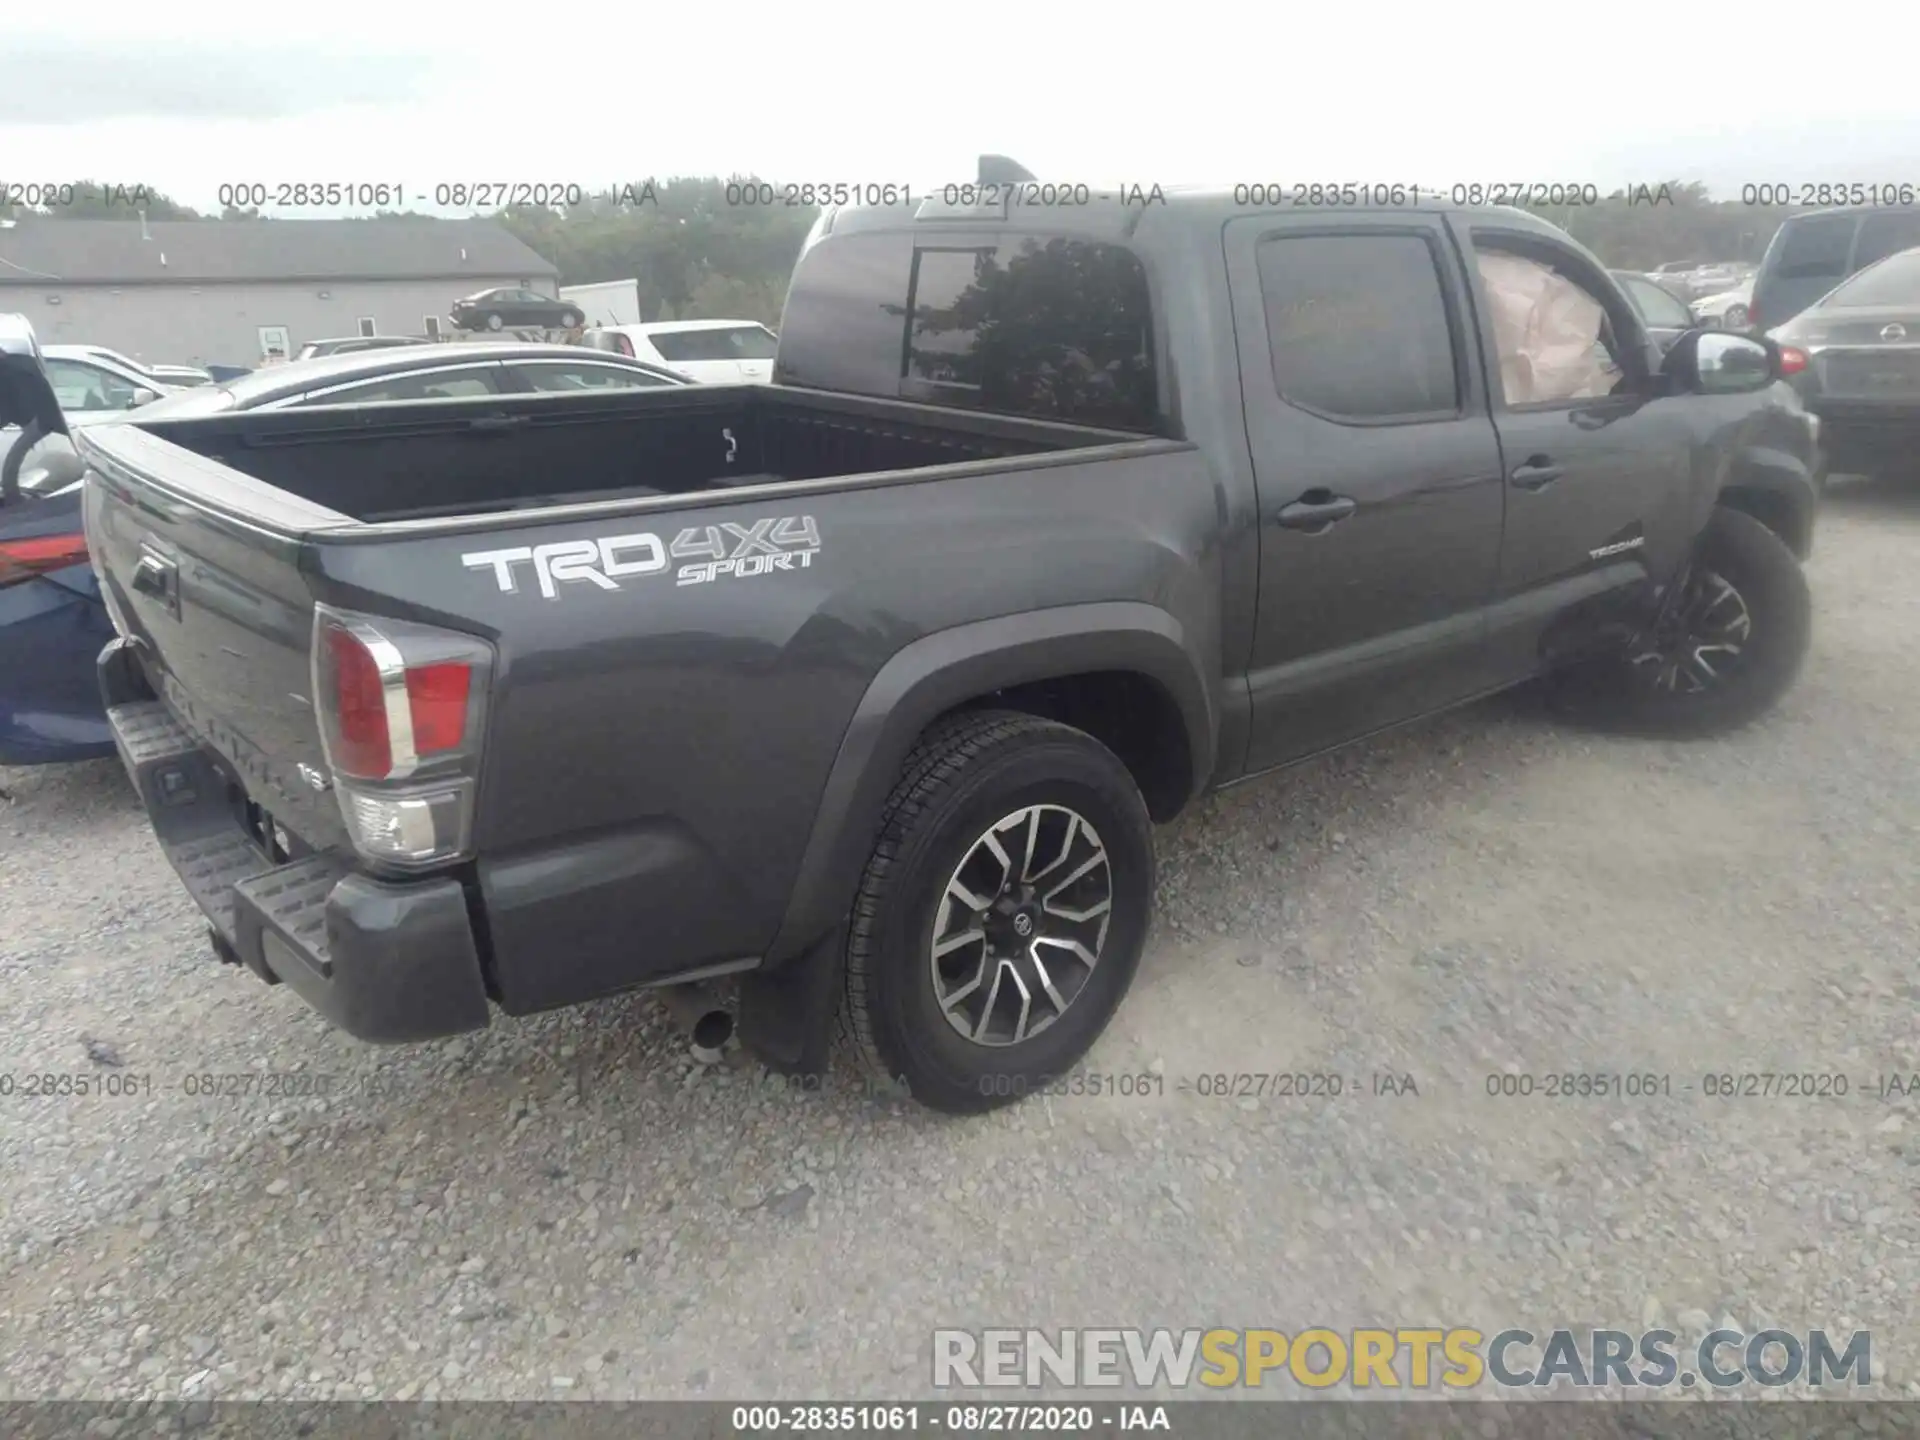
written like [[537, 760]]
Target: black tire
[[965, 776], [1620, 694]]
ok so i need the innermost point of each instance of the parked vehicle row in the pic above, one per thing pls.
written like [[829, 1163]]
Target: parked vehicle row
[[1861, 373], [718, 352], [52, 620], [1017, 585]]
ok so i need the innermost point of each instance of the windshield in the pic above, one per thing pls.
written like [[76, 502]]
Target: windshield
[[1895, 281], [735, 342], [119, 359]]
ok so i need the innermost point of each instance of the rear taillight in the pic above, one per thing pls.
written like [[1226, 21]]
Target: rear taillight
[[400, 707], [23, 559], [623, 345], [1792, 360]]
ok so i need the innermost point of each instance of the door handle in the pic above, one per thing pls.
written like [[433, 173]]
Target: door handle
[[1316, 511], [495, 424], [1538, 473]]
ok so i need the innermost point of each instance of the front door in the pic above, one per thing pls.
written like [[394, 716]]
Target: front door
[[1377, 469], [1597, 460]]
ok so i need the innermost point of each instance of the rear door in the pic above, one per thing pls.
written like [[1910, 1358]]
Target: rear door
[[1596, 462], [1377, 469]]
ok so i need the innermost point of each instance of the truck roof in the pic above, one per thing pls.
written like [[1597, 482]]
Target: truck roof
[[1138, 212]]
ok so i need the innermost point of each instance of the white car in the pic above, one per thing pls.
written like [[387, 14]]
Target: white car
[[168, 376], [1727, 310], [712, 352], [90, 387]]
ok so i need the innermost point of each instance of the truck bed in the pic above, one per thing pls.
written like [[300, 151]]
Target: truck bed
[[432, 459]]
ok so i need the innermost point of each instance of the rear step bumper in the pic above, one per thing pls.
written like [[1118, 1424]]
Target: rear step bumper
[[384, 962]]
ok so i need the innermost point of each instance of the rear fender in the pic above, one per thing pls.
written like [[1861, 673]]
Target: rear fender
[[942, 671]]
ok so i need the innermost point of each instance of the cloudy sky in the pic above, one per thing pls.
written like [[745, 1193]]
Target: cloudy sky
[[188, 98]]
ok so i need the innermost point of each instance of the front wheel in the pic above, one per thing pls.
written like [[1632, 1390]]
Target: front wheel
[[1721, 655], [570, 320], [1735, 318], [494, 321], [1002, 913]]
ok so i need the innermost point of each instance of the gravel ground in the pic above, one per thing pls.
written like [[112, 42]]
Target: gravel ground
[[567, 1206]]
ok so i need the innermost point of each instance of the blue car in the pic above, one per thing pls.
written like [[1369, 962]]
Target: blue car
[[53, 622]]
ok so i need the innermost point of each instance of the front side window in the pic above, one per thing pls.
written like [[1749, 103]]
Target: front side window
[[1357, 325], [570, 379], [1055, 328], [79, 387], [1552, 335]]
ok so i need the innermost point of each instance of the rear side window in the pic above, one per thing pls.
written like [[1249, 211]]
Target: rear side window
[[1053, 328], [1884, 235], [1815, 249], [1357, 325], [734, 342], [421, 385]]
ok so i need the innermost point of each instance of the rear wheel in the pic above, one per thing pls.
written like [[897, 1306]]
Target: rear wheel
[[1002, 914], [1724, 652], [569, 320], [1735, 318]]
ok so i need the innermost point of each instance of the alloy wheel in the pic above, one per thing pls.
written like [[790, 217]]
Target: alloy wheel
[[1021, 924], [1700, 641]]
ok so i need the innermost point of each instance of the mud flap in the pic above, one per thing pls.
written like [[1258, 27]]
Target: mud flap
[[786, 1014]]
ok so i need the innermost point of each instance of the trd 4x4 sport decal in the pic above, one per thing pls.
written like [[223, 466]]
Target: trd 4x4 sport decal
[[713, 552]]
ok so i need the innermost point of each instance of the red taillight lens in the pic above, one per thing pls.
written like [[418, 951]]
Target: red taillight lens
[[437, 699], [623, 345], [401, 707], [22, 559], [357, 704], [394, 698], [1792, 361]]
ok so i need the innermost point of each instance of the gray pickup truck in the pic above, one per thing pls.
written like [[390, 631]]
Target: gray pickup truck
[[867, 686]]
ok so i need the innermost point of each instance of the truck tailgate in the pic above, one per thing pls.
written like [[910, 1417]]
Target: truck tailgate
[[219, 613]]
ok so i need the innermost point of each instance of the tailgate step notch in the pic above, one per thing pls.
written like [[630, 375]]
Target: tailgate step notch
[[290, 903], [211, 867]]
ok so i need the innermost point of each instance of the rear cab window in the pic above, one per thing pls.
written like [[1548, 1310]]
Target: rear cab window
[[1051, 327], [1894, 282]]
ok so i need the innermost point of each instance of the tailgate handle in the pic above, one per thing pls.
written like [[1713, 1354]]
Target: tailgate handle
[[154, 576]]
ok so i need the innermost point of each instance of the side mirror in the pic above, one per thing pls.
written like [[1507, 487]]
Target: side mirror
[[1720, 362], [142, 396], [53, 472]]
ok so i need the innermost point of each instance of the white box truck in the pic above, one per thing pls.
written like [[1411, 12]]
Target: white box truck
[[611, 302]]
